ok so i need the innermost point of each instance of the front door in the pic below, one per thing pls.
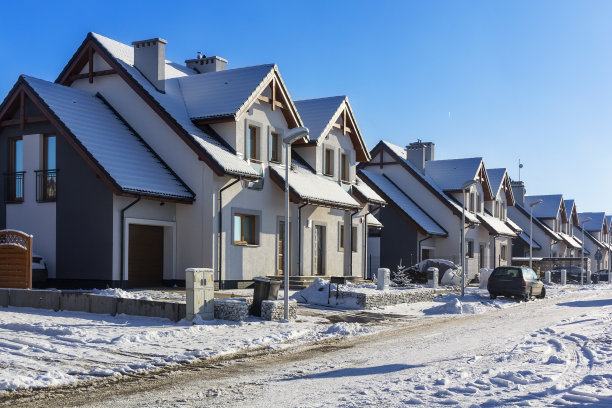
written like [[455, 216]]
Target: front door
[[146, 256], [319, 250]]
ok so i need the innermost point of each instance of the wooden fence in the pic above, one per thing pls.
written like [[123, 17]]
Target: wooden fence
[[15, 259]]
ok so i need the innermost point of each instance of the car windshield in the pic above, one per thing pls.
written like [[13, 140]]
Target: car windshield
[[507, 272]]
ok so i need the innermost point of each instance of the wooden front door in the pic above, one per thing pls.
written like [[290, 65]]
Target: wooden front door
[[146, 256], [319, 249]]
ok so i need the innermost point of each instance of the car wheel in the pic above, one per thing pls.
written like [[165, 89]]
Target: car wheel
[[493, 295], [527, 296], [542, 293]]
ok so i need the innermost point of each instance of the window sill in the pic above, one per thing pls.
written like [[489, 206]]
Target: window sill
[[14, 202], [244, 244]]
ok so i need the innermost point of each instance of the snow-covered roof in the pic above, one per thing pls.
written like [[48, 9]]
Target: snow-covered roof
[[111, 143], [514, 226], [597, 222], [172, 102], [223, 93], [609, 222], [309, 187], [451, 174], [405, 204], [372, 221], [401, 152], [590, 237], [496, 226], [317, 114], [363, 191], [523, 236], [550, 206], [569, 240], [497, 179]]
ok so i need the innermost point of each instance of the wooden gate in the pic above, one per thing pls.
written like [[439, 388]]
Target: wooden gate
[[15, 259]]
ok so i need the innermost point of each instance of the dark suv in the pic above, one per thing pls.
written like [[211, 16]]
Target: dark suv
[[517, 281]]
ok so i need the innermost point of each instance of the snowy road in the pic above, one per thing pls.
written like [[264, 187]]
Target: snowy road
[[552, 352]]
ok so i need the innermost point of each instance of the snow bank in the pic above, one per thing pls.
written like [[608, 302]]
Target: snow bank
[[120, 293]]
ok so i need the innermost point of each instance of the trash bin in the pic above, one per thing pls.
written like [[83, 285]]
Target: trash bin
[[595, 278], [262, 288], [432, 277], [273, 289]]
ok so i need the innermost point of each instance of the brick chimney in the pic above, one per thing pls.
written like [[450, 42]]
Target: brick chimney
[[418, 153], [203, 64], [150, 60], [519, 191]]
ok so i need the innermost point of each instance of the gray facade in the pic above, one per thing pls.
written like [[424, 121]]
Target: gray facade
[[398, 240]]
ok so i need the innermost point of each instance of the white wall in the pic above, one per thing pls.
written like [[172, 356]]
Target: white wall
[[38, 219]]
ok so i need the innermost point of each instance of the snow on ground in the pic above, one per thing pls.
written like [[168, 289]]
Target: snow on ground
[[43, 348]]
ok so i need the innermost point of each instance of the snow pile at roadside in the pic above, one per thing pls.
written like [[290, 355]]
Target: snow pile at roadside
[[41, 348], [475, 301], [120, 293]]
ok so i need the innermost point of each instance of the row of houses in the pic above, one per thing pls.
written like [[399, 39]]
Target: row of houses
[[130, 168], [423, 218]]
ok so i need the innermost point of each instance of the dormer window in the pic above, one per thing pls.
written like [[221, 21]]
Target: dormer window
[[275, 147], [253, 143], [328, 165], [344, 168], [472, 202]]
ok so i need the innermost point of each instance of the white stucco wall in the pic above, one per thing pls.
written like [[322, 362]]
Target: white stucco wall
[[37, 219]]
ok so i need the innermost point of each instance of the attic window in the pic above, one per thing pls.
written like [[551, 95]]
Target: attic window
[[253, 144], [275, 147], [344, 170], [328, 164]]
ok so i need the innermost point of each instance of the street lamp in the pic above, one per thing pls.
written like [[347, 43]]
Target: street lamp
[[291, 136], [537, 202], [582, 254], [466, 186]]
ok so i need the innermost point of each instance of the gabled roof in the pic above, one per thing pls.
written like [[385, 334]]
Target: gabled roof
[[536, 222], [590, 237], [524, 237], [320, 116], [364, 193], [170, 105], [104, 140], [550, 207], [570, 210], [305, 186], [609, 222], [451, 174], [597, 222], [569, 240], [500, 180], [404, 204], [227, 94], [372, 221], [399, 154]]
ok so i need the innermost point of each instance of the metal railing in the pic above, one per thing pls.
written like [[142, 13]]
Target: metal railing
[[14, 187], [46, 185]]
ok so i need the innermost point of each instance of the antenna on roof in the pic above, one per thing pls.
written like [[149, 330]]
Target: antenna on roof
[[520, 167]]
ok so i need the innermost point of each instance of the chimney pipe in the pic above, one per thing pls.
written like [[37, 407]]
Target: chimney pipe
[[419, 153], [203, 64], [150, 60]]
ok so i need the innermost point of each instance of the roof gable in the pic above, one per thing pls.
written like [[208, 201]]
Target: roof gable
[[451, 174], [500, 180], [597, 222], [552, 205], [321, 116], [114, 151], [169, 105]]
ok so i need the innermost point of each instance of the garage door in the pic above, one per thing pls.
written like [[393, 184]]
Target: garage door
[[146, 256]]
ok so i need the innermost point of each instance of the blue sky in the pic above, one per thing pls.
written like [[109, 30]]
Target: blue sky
[[506, 80]]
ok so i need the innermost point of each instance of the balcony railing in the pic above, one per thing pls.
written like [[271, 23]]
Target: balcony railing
[[46, 185], [13, 187]]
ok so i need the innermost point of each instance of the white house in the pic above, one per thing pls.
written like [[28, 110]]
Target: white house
[[138, 167], [423, 218]]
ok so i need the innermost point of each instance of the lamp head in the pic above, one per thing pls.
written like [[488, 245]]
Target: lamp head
[[585, 221], [468, 184], [295, 134], [536, 202]]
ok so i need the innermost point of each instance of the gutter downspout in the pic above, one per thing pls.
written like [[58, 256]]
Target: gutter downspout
[[299, 254], [365, 240], [351, 247], [122, 268], [419, 247], [220, 231]]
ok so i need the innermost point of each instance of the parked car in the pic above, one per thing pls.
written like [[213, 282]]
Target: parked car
[[573, 273], [602, 274], [515, 281], [39, 271]]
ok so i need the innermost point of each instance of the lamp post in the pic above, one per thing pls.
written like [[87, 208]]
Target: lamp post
[[466, 186], [537, 202], [291, 136], [582, 254]]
